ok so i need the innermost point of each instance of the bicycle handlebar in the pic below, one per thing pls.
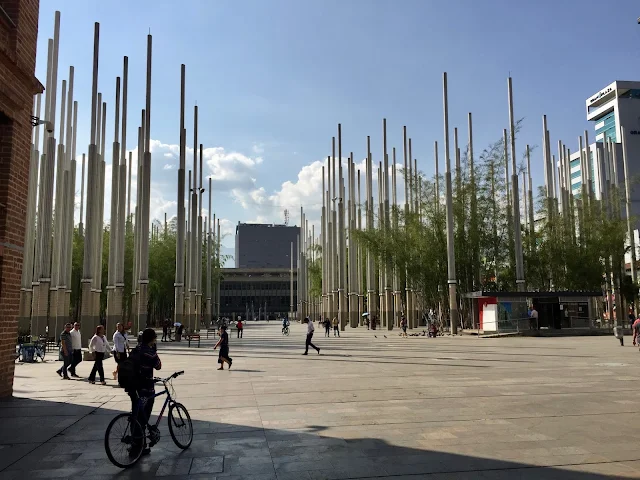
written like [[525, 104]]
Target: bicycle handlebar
[[170, 377]]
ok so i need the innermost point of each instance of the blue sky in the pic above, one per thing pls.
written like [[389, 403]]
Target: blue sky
[[273, 78]]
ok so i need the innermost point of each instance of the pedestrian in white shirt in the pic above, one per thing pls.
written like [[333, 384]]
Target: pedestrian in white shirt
[[120, 348], [534, 319], [76, 345], [98, 346], [310, 330]]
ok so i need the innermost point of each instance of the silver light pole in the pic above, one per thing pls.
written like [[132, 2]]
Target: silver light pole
[[451, 258], [520, 281]]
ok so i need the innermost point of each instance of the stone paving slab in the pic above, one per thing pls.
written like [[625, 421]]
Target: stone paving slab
[[368, 407]]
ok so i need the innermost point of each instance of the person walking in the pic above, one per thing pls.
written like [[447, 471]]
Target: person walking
[[120, 348], [533, 319], [635, 330], [327, 326], [98, 346], [223, 343], [403, 325], [240, 327], [165, 329], [336, 327], [310, 330], [66, 351], [76, 345]]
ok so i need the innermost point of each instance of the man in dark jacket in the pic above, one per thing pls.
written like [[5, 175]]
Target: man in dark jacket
[[143, 396]]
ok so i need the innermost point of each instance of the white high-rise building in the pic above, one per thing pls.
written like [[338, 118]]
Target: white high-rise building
[[615, 106]]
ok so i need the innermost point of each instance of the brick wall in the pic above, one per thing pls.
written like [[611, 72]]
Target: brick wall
[[18, 37]]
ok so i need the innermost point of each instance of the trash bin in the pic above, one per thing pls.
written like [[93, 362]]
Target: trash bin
[[28, 352]]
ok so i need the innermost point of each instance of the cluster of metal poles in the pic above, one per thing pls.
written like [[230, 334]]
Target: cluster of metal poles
[[46, 276], [189, 305], [374, 285], [354, 283]]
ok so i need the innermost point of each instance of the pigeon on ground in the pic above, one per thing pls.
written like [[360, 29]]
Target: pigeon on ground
[[376, 336], [384, 336]]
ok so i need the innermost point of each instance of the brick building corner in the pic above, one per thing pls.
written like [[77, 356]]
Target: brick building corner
[[18, 85]]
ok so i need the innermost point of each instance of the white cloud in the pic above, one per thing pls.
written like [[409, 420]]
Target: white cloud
[[305, 191], [169, 166], [169, 155], [258, 148]]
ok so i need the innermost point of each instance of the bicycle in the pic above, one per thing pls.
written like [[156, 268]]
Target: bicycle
[[285, 330], [125, 440]]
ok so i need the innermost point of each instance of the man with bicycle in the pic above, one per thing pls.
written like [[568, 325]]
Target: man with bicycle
[[143, 395], [285, 324]]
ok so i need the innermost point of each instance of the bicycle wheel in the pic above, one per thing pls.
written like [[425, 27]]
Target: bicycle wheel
[[124, 441], [40, 352], [180, 426], [286, 331]]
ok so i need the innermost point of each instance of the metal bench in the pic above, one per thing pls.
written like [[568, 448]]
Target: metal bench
[[211, 330], [193, 337]]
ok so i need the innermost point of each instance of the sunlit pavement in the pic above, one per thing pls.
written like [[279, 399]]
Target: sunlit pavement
[[366, 407]]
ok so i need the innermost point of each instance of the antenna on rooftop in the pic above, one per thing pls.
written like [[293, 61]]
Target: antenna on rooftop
[[286, 217]]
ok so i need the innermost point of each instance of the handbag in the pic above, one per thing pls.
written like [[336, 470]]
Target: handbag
[[107, 349]]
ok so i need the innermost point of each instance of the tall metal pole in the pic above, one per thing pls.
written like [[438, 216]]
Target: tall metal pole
[[520, 281], [451, 258], [42, 274], [407, 195], [143, 298], [360, 272], [71, 208], [193, 246], [209, 233], [180, 260], [92, 175], [334, 235], [353, 292], [123, 219], [630, 229], [532, 229], [218, 266], [291, 304], [342, 260], [99, 230], [323, 234], [397, 293], [372, 304], [113, 310], [198, 258], [474, 212]]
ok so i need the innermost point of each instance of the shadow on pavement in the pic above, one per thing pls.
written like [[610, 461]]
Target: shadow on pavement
[[45, 439]]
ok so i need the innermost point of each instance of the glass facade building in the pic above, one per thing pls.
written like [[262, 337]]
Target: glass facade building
[[257, 293]]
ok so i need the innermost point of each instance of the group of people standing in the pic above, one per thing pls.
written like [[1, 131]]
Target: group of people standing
[[71, 351], [328, 324]]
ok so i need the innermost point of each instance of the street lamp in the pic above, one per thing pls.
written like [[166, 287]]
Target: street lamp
[[35, 121]]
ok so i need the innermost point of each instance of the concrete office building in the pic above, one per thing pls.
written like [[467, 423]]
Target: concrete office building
[[260, 245], [256, 293], [615, 106]]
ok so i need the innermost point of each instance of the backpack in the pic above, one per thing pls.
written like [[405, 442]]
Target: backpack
[[129, 371]]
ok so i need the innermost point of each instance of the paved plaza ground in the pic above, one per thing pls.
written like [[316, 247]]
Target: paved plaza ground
[[366, 407]]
